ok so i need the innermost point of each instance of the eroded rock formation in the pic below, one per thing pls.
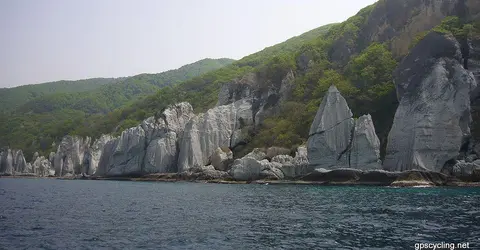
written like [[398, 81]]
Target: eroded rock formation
[[338, 141], [12, 162], [68, 159], [365, 150], [331, 132], [148, 148], [218, 127], [432, 121]]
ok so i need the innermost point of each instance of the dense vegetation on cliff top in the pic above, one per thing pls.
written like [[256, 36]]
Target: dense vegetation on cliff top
[[339, 54], [33, 117]]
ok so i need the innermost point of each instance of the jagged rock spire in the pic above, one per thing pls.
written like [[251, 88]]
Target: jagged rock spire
[[337, 140], [331, 132]]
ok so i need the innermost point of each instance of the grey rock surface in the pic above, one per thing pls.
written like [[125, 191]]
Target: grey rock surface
[[43, 167], [282, 159], [204, 173], [294, 167], [467, 170], [433, 117], [257, 154], [151, 147], [12, 162], [274, 151], [70, 154], [365, 151], [221, 159], [237, 89], [93, 154], [206, 132], [331, 132]]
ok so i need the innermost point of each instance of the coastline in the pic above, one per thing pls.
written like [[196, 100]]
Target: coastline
[[168, 178]]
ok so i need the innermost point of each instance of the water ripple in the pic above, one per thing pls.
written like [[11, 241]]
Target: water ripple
[[58, 214]]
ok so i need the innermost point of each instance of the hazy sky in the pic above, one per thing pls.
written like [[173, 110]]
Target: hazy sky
[[49, 40]]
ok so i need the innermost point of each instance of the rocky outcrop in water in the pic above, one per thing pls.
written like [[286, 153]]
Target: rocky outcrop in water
[[432, 121], [148, 148], [255, 166], [365, 149], [336, 140], [331, 132]]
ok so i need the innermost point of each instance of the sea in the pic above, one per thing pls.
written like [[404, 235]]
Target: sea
[[92, 214]]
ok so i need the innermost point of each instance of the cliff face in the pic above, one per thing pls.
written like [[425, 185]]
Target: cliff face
[[433, 119], [69, 157], [218, 127], [151, 147], [12, 162], [398, 22]]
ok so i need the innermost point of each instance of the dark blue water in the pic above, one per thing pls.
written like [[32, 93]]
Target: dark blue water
[[61, 214]]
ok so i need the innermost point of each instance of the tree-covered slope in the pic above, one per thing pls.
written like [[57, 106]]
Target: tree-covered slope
[[12, 98], [55, 109], [98, 94]]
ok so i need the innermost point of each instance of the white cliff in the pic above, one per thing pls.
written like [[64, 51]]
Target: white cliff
[[218, 127], [148, 148], [68, 159]]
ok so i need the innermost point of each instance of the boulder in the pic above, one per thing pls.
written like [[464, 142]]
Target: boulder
[[204, 173], [433, 117], [206, 132], [283, 159], [301, 156], [469, 171], [254, 166], [331, 132], [274, 151], [471, 158], [294, 167], [221, 158], [257, 154], [365, 151], [271, 171], [246, 169]]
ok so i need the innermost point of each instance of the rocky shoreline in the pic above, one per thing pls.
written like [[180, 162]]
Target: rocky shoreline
[[430, 142], [339, 177]]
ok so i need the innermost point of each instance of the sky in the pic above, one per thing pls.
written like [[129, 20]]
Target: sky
[[51, 40]]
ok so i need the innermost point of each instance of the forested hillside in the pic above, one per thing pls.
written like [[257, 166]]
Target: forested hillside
[[34, 117], [12, 98], [358, 56]]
